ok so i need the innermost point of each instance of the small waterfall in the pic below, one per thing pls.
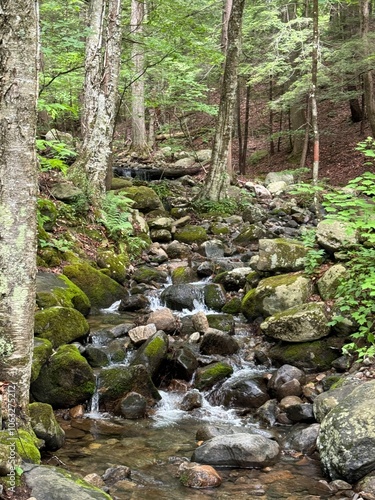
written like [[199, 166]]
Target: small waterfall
[[93, 406], [113, 309]]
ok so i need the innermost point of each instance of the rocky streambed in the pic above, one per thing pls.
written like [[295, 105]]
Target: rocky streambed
[[210, 367]]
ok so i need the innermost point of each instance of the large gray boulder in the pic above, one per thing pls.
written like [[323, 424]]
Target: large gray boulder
[[346, 440], [55, 483], [276, 294], [325, 402], [330, 281], [45, 426], [281, 254], [298, 324], [183, 296], [237, 450], [335, 235]]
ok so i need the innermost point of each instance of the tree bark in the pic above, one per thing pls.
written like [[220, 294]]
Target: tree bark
[[217, 181], [139, 137], [18, 192], [92, 170], [368, 82], [314, 80]]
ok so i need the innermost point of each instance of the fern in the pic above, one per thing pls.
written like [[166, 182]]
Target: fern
[[115, 214]]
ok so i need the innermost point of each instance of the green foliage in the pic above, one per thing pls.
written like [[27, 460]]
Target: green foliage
[[315, 255], [161, 188], [354, 205], [116, 216], [357, 298], [54, 155], [227, 206], [306, 192]]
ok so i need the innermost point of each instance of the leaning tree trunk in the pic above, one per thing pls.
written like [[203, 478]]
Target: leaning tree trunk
[[217, 181], [18, 192], [92, 170]]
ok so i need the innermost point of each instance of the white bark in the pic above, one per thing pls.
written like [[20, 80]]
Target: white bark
[[18, 191], [102, 66]]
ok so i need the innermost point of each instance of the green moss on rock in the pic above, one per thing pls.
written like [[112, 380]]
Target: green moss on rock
[[101, 290], [233, 306], [67, 379], [41, 353], [45, 426], [208, 376], [145, 274], [25, 442], [60, 325], [48, 211], [114, 264], [183, 274], [145, 199], [57, 290], [191, 234]]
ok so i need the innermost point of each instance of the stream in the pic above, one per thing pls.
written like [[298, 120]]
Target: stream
[[154, 447]]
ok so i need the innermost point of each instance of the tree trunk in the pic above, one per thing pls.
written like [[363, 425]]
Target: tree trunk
[[18, 192], [92, 170], [217, 181], [139, 138], [314, 80], [368, 83]]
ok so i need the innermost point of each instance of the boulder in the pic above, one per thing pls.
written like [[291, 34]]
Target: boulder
[[148, 274], [334, 235], [41, 353], [183, 274], [213, 249], [235, 279], [250, 234], [208, 376], [60, 325], [192, 399], [198, 476], [66, 192], [276, 294], [113, 265], [218, 342], [132, 406], [45, 426], [298, 324], [101, 290], [64, 484], [118, 381], [57, 290], [164, 320], [145, 199], [152, 353], [302, 438], [237, 450], [66, 380], [183, 296], [328, 400], [285, 375], [214, 296], [346, 440], [281, 255], [191, 234], [140, 334], [330, 281], [283, 176], [242, 391]]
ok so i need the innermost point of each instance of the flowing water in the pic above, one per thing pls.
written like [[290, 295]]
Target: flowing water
[[154, 447]]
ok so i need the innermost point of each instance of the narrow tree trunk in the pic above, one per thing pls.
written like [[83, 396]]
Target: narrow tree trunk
[[272, 143], [243, 152], [314, 79], [139, 139], [217, 181], [368, 83], [18, 191]]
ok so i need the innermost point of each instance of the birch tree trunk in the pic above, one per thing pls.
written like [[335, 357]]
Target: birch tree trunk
[[93, 168], [18, 192], [217, 181], [139, 137]]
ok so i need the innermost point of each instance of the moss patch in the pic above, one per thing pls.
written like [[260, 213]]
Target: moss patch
[[191, 234], [42, 351], [208, 376]]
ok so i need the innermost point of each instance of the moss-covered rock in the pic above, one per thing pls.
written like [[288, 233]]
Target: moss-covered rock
[[60, 325], [298, 324], [24, 443], [116, 382], [281, 254], [115, 265], [41, 353], [208, 376], [233, 306], [310, 356], [101, 290], [52, 257], [45, 426], [276, 294], [250, 234], [57, 290], [44, 479], [145, 199], [223, 322], [191, 234], [48, 211], [152, 353], [331, 280], [214, 296], [183, 274], [67, 379], [145, 274]]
